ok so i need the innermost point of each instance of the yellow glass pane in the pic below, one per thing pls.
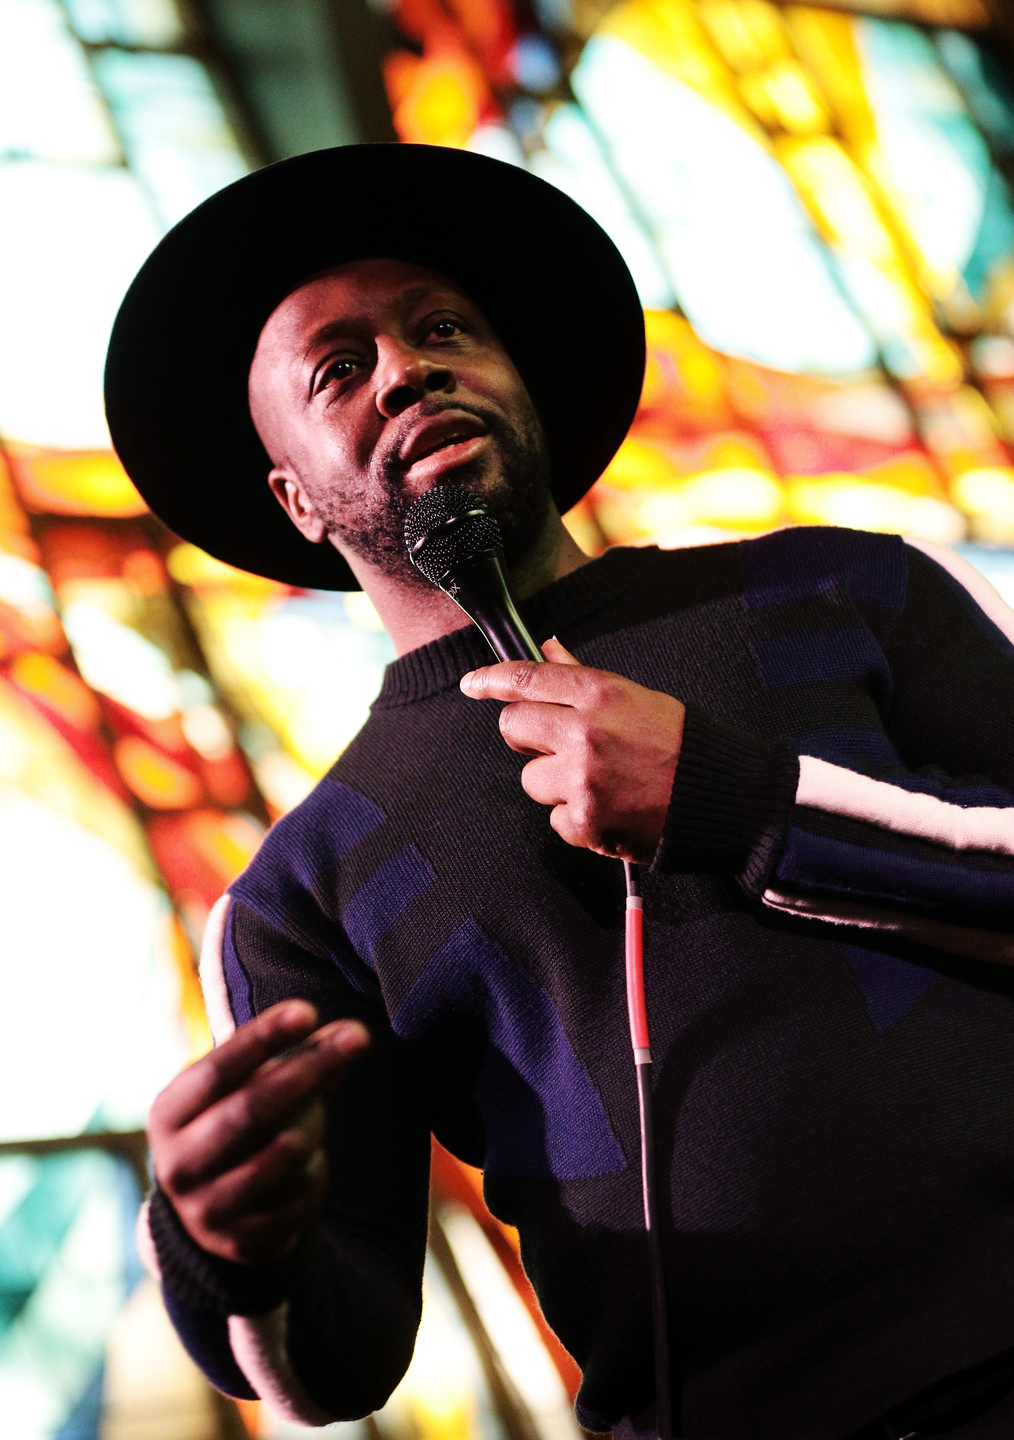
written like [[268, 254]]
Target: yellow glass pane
[[784, 97], [824, 41], [670, 34], [748, 34], [436, 100]]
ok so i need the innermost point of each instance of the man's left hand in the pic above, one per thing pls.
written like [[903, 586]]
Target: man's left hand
[[606, 749]]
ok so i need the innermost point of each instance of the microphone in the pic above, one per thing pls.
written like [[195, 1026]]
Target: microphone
[[454, 541]]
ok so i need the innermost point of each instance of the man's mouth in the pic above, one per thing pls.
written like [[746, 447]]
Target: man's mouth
[[441, 443]]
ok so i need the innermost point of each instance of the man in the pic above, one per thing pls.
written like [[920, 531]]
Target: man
[[777, 730]]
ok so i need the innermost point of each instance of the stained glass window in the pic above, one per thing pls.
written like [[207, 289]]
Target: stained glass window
[[815, 204]]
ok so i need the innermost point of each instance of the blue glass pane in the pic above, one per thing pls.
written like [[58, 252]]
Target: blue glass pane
[[147, 23], [176, 134], [67, 1264]]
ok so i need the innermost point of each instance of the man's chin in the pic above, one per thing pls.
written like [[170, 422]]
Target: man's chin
[[517, 496]]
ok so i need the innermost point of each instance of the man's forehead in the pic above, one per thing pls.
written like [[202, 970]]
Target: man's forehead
[[354, 290]]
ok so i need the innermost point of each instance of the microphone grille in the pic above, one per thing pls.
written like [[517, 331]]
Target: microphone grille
[[446, 526]]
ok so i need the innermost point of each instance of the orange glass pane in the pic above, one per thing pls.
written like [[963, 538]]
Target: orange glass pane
[[191, 1000], [45, 679], [85, 482], [453, 1180], [158, 781], [684, 382], [72, 551], [201, 853], [15, 532], [442, 98]]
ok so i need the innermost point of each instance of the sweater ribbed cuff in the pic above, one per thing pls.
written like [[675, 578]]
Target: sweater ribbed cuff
[[730, 799], [204, 1281]]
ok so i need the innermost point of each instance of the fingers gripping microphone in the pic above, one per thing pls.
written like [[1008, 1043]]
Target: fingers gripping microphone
[[454, 541]]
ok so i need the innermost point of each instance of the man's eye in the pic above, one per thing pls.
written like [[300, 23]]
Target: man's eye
[[446, 329], [338, 370]]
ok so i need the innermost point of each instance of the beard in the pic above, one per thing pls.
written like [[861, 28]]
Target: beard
[[514, 485]]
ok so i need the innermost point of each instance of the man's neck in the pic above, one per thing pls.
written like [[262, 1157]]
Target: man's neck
[[414, 616]]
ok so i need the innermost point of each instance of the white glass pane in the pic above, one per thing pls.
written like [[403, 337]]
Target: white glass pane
[[743, 258], [71, 242], [98, 968], [154, 23], [175, 131], [50, 108], [574, 163]]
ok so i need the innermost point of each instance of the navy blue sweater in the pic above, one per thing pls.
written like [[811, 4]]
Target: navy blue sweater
[[828, 925]]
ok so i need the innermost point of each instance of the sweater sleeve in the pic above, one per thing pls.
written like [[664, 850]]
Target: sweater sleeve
[[327, 1333], [911, 832]]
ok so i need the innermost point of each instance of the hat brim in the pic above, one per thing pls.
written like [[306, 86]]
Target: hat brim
[[547, 277]]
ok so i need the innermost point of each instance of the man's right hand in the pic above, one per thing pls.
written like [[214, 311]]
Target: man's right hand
[[236, 1137]]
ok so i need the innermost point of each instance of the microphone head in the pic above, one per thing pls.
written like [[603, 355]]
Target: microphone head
[[446, 527]]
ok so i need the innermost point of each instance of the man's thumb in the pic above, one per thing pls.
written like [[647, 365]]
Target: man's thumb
[[557, 653]]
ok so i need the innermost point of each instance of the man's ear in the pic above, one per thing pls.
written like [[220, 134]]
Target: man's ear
[[288, 490]]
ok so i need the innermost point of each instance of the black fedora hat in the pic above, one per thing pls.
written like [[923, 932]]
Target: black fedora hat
[[547, 277]]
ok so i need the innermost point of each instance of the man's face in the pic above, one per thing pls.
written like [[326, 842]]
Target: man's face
[[379, 380]]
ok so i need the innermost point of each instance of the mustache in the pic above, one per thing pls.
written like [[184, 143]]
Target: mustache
[[389, 465]]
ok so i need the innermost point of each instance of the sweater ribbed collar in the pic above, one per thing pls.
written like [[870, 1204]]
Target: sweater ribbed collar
[[441, 664]]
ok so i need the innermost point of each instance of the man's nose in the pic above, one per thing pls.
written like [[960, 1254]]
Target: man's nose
[[403, 376]]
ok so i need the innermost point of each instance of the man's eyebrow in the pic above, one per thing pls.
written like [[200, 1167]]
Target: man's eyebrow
[[336, 329], [324, 334]]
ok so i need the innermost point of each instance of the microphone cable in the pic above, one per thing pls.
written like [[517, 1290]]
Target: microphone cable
[[637, 1013], [454, 542]]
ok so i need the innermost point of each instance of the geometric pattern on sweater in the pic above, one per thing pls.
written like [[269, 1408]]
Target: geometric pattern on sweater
[[890, 986], [937, 887], [868, 825], [846, 654], [541, 1112], [383, 896], [336, 818], [777, 570]]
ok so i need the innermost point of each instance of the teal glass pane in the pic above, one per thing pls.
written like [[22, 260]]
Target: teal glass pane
[[154, 24], [49, 106], [174, 129], [984, 85], [67, 1264], [995, 563], [954, 201]]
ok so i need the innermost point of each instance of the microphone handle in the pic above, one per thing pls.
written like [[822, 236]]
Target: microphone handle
[[480, 588]]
